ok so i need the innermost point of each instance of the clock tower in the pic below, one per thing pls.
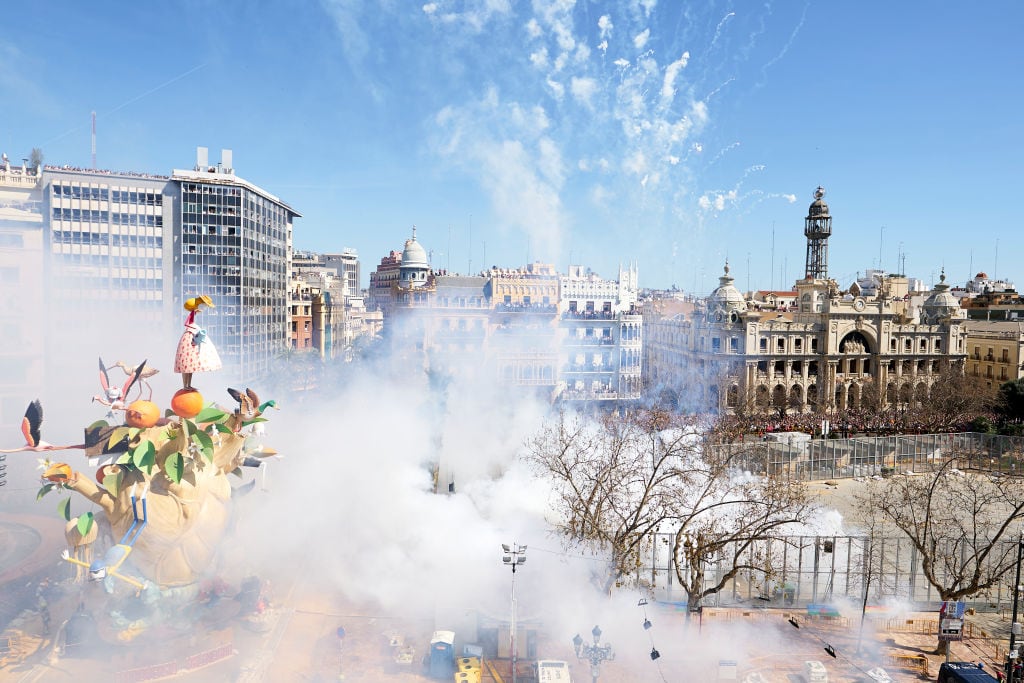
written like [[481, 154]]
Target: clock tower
[[817, 228]]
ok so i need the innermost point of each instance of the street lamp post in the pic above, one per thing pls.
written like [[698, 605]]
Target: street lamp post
[[514, 556], [595, 654]]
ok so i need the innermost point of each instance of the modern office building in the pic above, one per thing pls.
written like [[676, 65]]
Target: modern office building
[[21, 289], [343, 266], [234, 243], [119, 252]]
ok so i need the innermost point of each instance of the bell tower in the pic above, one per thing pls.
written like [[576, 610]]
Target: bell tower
[[817, 228]]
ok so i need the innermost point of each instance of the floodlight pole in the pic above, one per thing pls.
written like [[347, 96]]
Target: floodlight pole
[[1011, 661], [514, 556]]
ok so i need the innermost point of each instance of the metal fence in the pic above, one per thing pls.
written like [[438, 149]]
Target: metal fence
[[876, 455], [804, 570]]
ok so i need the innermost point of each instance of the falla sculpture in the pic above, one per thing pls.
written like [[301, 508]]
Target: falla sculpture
[[161, 477]]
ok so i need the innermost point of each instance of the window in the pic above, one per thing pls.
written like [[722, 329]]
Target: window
[[734, 344], [716, 344], [814, 345], [764, 345]]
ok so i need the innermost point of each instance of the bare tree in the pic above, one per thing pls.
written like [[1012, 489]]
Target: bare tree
[[720, 512], [612, 481], [955, 398], [35, 159], [961, 524], [620, 479]]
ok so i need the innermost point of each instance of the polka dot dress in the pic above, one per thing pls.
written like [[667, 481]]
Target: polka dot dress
[[191, 357]]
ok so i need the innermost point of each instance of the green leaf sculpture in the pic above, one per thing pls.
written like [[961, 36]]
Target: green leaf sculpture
[[112, 482], [116, 436], [64, 508], [211, 414], [205, 443], [84, 523], [144, 455], [174, 467]]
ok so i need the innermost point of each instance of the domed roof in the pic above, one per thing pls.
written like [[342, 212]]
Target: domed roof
[[726, 299], [818, 206], [414, 255], [941, 304]]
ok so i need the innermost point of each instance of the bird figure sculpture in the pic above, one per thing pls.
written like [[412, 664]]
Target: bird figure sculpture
[[115, 396], [249, 407], [31, 425], [146, 373]]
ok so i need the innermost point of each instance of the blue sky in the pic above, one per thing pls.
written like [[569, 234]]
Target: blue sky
[[672, 134]]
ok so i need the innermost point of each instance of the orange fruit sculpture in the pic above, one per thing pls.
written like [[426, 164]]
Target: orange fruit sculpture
[[143, 414], [187, 403]]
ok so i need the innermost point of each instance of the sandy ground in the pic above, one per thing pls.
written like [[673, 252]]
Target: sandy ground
[[299, 642]]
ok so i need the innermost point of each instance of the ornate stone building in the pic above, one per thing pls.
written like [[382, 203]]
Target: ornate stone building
[[837, 349], [574, 337], [601, 336]]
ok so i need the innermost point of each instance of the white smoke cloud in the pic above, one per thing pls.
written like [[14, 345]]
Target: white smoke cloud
[[583, 89], [640, 39], [668, 89]]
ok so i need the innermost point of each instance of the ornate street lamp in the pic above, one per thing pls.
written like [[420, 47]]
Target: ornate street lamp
[[596, 653]]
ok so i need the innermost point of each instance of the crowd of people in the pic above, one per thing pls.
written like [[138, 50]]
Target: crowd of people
[[729, 428]]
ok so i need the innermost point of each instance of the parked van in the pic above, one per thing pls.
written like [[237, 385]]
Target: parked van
[[553, 671], [815, 672], [963, 672]]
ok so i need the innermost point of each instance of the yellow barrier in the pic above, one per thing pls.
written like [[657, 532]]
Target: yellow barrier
[[918, 663]]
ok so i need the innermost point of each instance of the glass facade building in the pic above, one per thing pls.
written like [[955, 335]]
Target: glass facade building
[[122, 251], [235, 245]]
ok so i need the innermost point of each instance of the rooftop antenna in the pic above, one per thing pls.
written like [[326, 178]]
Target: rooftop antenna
[[881, 240], [448, 265], [995, 271], [469, 269], [94, 141], [771, 269]]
